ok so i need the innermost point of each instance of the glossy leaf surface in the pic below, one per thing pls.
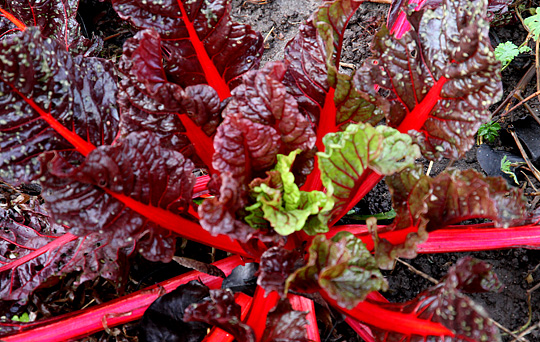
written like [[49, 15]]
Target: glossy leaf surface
[[203, 45], [55, 19], [135, 187], [342, 267], [50, 100], [438, 80]]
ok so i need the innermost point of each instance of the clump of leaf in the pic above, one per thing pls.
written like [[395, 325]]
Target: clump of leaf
[[507, 51], [489, 131], [533, 23]]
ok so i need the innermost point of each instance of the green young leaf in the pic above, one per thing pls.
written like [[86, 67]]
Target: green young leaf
[[506, 167], [533, 23], [349, 153], [489, 131], [342, 266], [506, 52], [280, 202]]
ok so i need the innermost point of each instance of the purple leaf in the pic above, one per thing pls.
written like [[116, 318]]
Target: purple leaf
[[202, 44], [221, 311], [438, 80], [55, 19], [134, 187], [285, 324], [51, 101], [29, 233]]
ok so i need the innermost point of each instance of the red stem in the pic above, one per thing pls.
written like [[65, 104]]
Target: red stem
[[204, 146], [259, 310], [377, 316], [178, 224], [300, 303], [120, 311], [20, 25], [456, 238], [213, 77], [59, 241], [219, 335]]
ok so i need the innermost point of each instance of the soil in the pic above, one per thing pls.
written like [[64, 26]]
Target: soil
[[278, 21]]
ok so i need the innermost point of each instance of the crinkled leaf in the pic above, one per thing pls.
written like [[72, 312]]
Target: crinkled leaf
[[280, 202], [438, 80], [164, 319], [261, 121], [202, 44], [424, 204], [285, 324], [55, 19], [326, 96], [135, 187], [51, 101], [28, 232], [221, 310], [276, 265], [445, 304], [350, 153], [149, 101], [342, 266]]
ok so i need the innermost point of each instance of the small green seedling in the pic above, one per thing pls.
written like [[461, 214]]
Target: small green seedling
[[507, 51], [24, 318], [506, 168], [488, 132]]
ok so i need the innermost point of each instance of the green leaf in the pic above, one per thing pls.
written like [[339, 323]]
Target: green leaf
[[349, 153], [506, 52], [342, 266], [280, 202], [533, 23]]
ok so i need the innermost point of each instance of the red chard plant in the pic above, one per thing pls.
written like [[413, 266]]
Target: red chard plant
[[289, 148]]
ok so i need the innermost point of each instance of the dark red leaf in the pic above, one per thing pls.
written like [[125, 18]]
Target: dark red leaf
[[261, 121], [51, 101], [202, 44], [445, 304], [276, 265], [425, 204], [438, 80], [55, 19], [221, 311], [285, 324], [324, 95], [135, 187], [35, 252], [146, 96]]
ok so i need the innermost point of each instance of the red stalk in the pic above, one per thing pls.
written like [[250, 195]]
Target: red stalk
[[20, 25], [82, 146], [377, 316], [219, 335], [120, 311], [457, 238], [201, 186], [59, 241], [213, 78], [204, 146], [259, 310], [300, 303], [361, 329], [181, 226]]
